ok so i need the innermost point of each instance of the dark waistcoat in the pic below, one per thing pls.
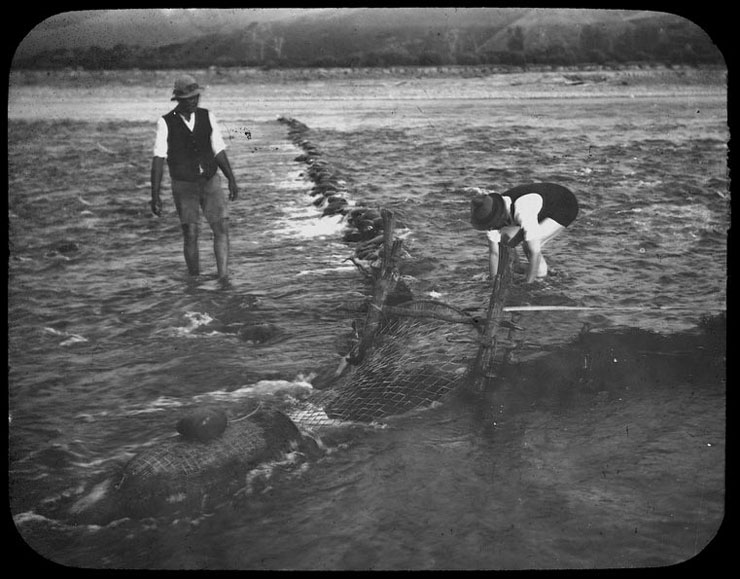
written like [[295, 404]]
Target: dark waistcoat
[[189, 154]]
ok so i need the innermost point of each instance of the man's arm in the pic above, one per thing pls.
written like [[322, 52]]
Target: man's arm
[[160, 154], [532, 249], [156, 178], [222, 161]]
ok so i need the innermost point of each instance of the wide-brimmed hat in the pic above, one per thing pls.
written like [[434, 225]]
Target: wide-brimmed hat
[[185, 87], [488, 212]]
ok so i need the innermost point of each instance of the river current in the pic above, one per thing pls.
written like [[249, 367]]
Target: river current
[[109, 338]]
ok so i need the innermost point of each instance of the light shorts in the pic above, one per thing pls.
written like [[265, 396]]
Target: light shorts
[[206, 194]]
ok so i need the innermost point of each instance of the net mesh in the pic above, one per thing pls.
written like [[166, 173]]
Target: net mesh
[[417, 358], [409, 355], [406, 355], [172, 457], [243, 442]]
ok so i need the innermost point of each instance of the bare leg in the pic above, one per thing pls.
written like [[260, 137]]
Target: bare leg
[[542, 268], [190, 247], [221, 246], [549, 228]]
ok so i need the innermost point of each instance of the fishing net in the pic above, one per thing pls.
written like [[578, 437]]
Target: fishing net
[[246, 441], [174, 458], [407, 355], [420, 354]]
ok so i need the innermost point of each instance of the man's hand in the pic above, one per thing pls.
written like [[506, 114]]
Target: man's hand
[[233, 190], [222, 160], [156, 205]]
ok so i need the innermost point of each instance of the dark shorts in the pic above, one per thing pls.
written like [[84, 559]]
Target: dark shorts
[[206, 194]]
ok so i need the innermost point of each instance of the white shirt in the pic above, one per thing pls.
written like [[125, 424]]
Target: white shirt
[[160, 142], [525, 215]]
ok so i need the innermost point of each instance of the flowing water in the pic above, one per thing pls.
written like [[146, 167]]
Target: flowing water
[[597, 449]]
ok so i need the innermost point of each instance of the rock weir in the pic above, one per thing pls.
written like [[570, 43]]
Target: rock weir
[[331, 195]]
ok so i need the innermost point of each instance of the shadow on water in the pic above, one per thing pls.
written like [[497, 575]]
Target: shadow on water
[[602, 366]]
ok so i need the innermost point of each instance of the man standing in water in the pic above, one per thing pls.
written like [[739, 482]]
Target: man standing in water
[[531, 213], [189, 138]]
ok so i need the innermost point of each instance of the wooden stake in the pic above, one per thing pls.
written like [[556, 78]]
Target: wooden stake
[[384, 281], [482, 372]]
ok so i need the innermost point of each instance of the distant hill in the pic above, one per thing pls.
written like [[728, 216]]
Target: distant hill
[[83, 29], [355, 37]]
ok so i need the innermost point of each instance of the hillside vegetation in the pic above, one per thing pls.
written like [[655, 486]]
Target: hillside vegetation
[[409, 37]]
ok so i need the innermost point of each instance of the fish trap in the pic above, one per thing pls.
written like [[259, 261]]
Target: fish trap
[[407, 355], [416, 360]]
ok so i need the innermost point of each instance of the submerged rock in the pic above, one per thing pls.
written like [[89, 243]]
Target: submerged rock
[[259, 333], [68, 247]]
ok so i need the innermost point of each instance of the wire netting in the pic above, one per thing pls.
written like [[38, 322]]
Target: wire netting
[[244, 441], [421, 353], [410, 355], [175, 458], [407, 355]]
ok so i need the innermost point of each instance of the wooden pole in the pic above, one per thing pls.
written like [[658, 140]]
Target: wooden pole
[[384, 281], [482, 371]]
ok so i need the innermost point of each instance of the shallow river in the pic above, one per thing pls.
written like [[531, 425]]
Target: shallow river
[[109, 339]]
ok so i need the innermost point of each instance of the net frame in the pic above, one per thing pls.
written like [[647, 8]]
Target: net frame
[[405, 356]]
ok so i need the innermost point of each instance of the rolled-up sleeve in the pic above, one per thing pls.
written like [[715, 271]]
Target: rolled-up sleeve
[[493, 235], [526, 210], [160, 141], [217, 139]]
